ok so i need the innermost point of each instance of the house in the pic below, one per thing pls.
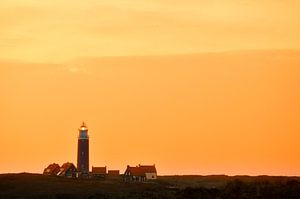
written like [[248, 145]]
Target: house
[[113, 173], [149, 171], [68, 170], [133, 174], [140, 173], [98, 172], [52, 169]]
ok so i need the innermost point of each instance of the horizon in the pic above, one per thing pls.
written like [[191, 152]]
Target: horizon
[[194, 87], [179, 175]]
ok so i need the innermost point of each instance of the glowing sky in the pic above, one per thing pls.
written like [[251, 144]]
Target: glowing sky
[[196, 87], [60, 30]]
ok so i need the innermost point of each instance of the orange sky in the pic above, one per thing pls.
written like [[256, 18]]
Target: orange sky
[[196, 87]]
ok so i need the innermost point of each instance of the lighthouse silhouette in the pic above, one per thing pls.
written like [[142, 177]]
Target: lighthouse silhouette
[[83, 151]]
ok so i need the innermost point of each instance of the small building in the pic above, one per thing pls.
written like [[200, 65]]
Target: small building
[[52, 169], [133, 174], [113, 173], [68, 170], [140, 173], [99, 172], [149, 171]]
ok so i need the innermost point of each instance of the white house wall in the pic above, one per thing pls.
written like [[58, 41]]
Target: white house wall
[[151, 176]]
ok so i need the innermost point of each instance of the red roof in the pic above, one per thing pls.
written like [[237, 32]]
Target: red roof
[[98, 170], [140, 170], [134, 171], [65, 167], [148, 168], [113, 172], [52, 169]]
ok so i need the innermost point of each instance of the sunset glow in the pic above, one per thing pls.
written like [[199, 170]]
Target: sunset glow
[[194, 87]]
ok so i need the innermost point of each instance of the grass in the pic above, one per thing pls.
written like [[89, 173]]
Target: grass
[[36, 186]]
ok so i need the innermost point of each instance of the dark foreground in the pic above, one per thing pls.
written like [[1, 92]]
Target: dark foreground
[[36, 186]]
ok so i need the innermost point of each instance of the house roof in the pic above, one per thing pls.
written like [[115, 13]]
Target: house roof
[[65, 167], [140, 170], [148, 168], [134, 171], [113, 172], [98, 170], [52, 168]]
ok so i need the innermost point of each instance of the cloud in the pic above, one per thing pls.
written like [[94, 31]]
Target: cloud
[[76, 69], [59, 31]]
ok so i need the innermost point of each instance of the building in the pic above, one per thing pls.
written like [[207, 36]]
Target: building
[[83, 151], [133, 174], [140, 173], [99, 172], [113, 173], [149, 171], [68, 170], [52, 169]]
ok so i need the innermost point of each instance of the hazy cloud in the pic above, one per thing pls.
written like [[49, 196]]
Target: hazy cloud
[[58, 31], [76, 69]]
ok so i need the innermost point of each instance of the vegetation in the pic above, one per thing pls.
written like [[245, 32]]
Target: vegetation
[[35, 186]]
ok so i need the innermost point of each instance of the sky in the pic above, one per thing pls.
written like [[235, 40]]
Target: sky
[[59, 30], [194, 87]]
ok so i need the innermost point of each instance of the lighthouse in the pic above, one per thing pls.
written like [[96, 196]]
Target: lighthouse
[[83, 150]]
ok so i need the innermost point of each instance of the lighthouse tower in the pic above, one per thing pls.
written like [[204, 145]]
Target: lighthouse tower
[[83, 150]]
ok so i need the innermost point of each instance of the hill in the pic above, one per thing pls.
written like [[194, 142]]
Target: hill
[[36, 186]]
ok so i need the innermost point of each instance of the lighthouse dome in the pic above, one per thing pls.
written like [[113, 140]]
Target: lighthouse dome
[[83, 132], [83, 127]]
